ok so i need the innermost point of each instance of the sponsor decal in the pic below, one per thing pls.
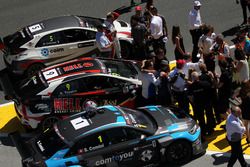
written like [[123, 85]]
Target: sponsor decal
[[56, 50], [117, 158], [109, 102], [44, 107], [50, 74], [82, 45], [45, 52], [65, 105], [34, 28], [39, 143], [146, 155], [77, 66], [79, 123], [91, 148]]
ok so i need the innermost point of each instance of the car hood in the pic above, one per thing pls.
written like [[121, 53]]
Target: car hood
[[167, 121]]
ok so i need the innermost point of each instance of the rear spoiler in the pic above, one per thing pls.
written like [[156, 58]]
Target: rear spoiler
[[126, 9]]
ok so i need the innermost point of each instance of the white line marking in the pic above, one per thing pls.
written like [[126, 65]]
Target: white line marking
[[224, 154], [6, 104]]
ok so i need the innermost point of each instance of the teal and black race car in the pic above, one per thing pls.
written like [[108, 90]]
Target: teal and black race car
[[115, 136]]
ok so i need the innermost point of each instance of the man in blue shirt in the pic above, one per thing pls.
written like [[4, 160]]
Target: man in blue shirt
[[235, 129]]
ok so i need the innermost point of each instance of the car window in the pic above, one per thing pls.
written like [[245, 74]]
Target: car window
[[125, 69], [78, 35], [49, 143], [133, 134], [116, 135], [89, 143], [51, 39], [97, 83]]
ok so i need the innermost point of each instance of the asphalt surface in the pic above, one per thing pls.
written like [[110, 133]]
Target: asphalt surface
[[222, 14]]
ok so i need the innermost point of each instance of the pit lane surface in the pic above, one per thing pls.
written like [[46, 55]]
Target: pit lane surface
[[223, 14]]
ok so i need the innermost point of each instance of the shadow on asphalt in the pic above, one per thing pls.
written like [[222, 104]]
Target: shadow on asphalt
[[232, 31], [219, 159]]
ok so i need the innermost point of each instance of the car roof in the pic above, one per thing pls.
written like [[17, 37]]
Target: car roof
[[56, 23], [74, 67], [79, 125]]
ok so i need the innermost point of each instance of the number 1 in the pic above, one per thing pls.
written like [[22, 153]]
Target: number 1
[[100, 138]]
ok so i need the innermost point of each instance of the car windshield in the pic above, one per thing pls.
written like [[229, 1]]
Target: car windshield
[[121, 68], [49, 143], [17, 39], [139, 119], [32, 86], [91, 22]]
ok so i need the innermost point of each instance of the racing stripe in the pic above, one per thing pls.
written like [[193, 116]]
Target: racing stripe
[[90, 93], [74, 73]]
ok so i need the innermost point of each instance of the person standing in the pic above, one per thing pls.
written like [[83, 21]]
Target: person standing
[[177, 40], [195, 28], [138, 33], [205, 43], [244, 5], [235, 129], [112, 33], [103, 43], [179, 85], [149, 83], [138, 13]]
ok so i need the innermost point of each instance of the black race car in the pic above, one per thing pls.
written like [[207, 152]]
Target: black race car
[[115, 136], [64, 89]]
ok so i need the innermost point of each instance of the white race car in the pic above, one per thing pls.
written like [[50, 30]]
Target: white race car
[[57, 40]]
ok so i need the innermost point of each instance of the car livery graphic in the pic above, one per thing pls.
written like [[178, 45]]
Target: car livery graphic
[[115, 136], [64, 89], [57, 40]]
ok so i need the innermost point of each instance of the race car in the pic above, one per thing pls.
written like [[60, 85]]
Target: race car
[[115, 136], [57, 40], [64, 89]]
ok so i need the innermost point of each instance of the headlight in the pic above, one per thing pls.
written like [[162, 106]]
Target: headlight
[[194, 129]]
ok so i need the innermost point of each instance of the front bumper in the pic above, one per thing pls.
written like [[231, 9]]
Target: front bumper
[[197, 146]]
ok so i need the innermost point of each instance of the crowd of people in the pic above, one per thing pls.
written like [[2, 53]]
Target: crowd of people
[[206, 78]]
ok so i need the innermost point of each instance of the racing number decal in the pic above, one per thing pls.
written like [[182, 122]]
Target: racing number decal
[[100, 138], [51, 39], [50, 74], [34, 28], [79, 123]]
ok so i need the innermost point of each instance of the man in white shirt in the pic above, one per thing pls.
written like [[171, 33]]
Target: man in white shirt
[[103, 43], [189, 65], [195, 23], [235, 129]]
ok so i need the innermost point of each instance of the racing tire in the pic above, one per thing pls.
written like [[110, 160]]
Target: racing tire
[[33, 69], [126, 49], [48, 123], [179, 152]]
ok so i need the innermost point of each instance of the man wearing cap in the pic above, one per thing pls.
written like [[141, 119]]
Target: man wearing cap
[[138, 13], [195, 23], [103, 43], [179, 85]]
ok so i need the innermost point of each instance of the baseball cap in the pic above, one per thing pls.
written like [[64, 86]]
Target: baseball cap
[[180, 62], [197, 3], [138, 8]]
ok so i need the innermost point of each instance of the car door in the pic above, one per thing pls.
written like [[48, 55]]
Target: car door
[[132, 148], [107, 89], [51, 47], [80, 42]]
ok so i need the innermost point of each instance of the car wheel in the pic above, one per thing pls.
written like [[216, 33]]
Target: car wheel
[[33, 69], [48, 123], [179, 152], [125, 49]]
